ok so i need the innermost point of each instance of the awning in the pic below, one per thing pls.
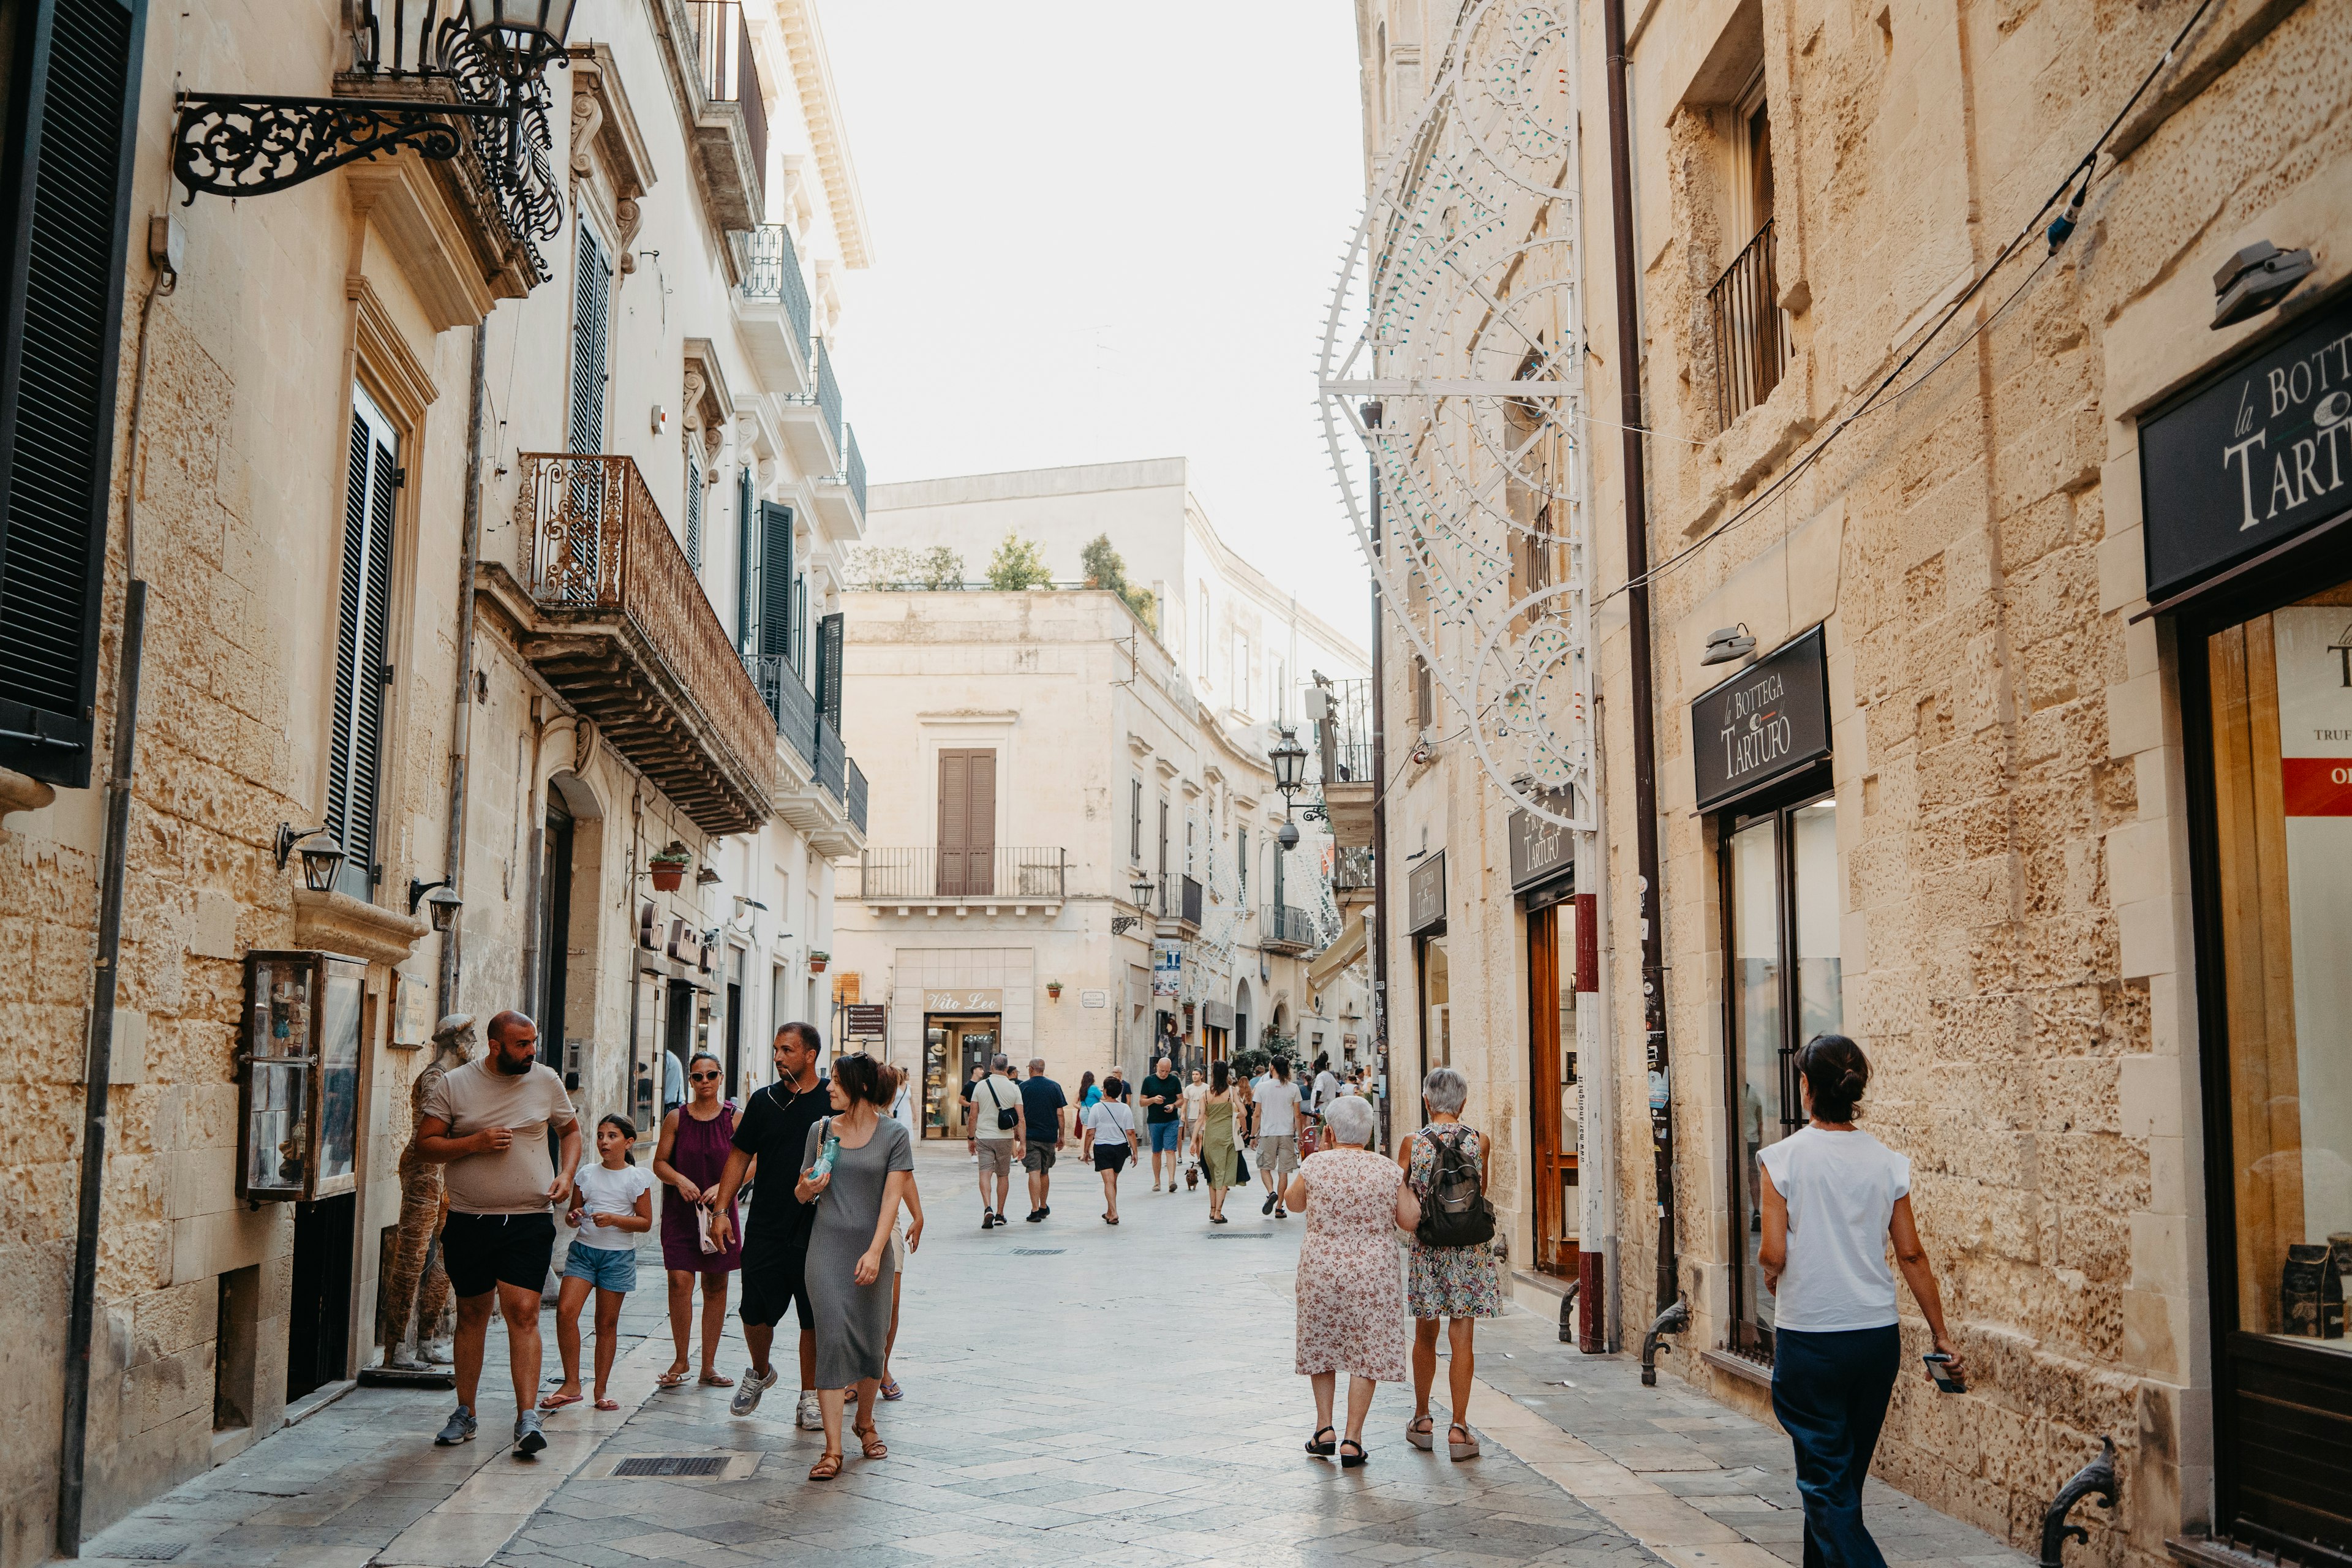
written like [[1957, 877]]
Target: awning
[[1332, 961]]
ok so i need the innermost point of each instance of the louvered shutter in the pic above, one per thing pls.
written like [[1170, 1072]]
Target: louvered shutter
[[65, 193], [694, 515], [355, 761], [828, 669], [798, 637], [747, 570], [775, 582], [592, 288]]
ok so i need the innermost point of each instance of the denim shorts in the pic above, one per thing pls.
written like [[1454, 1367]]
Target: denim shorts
[[606, 1267], [1164, 1135]]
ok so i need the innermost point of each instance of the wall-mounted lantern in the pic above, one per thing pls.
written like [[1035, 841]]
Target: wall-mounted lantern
[[322, 858], [441, 903]]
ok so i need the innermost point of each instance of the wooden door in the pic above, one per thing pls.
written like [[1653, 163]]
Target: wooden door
[[1543, 1078], [967, 823]]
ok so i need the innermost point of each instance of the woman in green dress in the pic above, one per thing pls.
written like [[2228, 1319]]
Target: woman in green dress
[[1222, 1118]]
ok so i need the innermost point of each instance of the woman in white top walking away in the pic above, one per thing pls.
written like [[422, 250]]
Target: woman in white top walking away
[[1833, 1198], [1107, 1137]]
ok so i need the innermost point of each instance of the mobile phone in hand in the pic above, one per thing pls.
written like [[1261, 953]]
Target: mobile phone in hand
[[1949, 1382]]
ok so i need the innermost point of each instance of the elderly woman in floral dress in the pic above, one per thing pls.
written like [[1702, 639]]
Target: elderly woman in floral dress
[[1459, 1284], [1350, 1294]]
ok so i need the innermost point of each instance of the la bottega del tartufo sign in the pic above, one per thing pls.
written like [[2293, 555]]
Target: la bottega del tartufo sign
[[2250, 456], [1768, 720]]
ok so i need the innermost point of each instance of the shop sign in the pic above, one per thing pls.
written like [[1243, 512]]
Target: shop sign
[[412, 1010], [1167, 967], [1424, 894], [1539, 849], [1217, 1014], [2250, 457], [866, 1020], [1766, 722], [963, 1001]]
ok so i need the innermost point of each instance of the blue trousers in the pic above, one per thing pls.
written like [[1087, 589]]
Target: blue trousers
[[1829, 1391]]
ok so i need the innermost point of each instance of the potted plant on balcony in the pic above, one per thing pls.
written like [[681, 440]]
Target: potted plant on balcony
[[818, 958], [669, 866], [1054, 989]]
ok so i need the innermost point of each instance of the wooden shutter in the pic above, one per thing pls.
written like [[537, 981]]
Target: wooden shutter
[[828, 669], [798, 639], [71, 105], [747, 569], [694, 515], [967, 823], [775, 580], [592, 288], [354, 759]]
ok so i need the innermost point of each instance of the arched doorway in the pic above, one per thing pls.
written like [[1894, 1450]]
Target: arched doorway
[[1244, 1039], [563, 979]]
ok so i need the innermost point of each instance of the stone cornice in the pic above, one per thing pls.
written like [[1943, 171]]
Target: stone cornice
[[339, 922]]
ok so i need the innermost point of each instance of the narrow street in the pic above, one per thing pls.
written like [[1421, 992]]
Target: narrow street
[[1075, 1393]]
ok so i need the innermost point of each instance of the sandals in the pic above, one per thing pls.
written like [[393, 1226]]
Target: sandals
[[826, 1468], [1320, 1448], [608, 1405], [1111, 1219], [677, 1379], [1468, 1448], [870, 1443], [1421, 1432], [1354, 1461], [715, 1379], [890, 1389], [558, 1401]]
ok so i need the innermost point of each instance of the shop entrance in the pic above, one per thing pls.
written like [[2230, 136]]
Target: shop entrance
[[1551, 1067], [953, 1048], [319, 1315]]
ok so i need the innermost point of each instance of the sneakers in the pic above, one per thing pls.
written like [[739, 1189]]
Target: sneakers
[[748, 1389], [1271, 1199], [1036, 1214], [988, 1220], [528, 1438], [812, 1414], [460, 1429]]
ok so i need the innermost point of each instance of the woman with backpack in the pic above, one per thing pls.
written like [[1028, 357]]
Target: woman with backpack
[[696, 1138], [1450, 1271]]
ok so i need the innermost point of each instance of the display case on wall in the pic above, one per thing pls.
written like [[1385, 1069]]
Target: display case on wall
[[298, 1076]]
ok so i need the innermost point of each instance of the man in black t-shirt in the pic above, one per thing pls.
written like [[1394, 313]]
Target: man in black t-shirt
[[1164, 1101], [1043, 1114], [773, 1131]]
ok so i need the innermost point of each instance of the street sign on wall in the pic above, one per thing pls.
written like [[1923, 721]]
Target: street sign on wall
[[1763, 723], [1425, 898], [865, 1020]]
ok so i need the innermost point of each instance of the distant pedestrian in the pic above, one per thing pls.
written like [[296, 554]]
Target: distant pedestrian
[[1224, 1121], [1833, 1198], [979, 1071], [1275, 1125], [1163, 1117], [1350, 1291], [673, 1082], [1196, 1099], [995, 1133], [612, 1206], [856, 1170], [487, 1122], [1325, 1088], [771, 1129], [905, 1109], [1045, 1116], [1111, 1139], [1088, 1092], [910, 1222], [1450, 1273], [692, 1158]]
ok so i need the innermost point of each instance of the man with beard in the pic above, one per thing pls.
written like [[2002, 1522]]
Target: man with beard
[[487, 1122]]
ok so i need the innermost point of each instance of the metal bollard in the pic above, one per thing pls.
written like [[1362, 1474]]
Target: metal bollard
[[1568, 1313], [2099, 1476], [1672, 1320]]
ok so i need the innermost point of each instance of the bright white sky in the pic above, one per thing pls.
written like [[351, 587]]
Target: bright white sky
[[1108, 231]]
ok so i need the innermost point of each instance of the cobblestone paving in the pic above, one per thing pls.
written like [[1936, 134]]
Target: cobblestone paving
[[1121, 1398]]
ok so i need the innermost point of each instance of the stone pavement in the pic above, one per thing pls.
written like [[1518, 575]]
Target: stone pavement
[[1075, 1393]]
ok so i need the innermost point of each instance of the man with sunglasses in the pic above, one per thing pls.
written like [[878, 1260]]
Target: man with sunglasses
[[773, 1129]]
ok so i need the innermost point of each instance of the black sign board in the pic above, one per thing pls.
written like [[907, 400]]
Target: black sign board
[[1425, 895], [2250, 456], [1539, 849], [867, 1019], [1765, 722]]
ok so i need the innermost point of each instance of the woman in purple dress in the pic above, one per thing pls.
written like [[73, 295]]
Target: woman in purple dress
[[695, 1141]]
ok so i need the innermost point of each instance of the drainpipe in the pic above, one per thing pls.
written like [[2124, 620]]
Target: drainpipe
[[1637, 571], [1380, 932], [453, 865], [98, 1056]]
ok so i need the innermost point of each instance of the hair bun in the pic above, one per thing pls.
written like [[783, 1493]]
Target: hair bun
[[1852, 1083]]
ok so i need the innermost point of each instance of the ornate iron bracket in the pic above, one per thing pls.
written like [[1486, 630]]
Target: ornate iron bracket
[[2098, 1479], [229, 144]]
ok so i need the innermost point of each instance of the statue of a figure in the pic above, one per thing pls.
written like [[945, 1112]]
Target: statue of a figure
[[410, 1292]]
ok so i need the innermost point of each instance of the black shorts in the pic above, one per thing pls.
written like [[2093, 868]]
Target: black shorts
[[1110, 1156], [773, 1270], [483, 1251]]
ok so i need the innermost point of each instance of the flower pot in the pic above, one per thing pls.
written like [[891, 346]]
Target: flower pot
[[816, 965], [668, 877], [1054, 991]]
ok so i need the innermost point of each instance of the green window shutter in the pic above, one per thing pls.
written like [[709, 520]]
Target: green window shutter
[[591, 292], [799, 633], [775, 580], [71, 103], [828, 669], [747, 570], [355, 760]]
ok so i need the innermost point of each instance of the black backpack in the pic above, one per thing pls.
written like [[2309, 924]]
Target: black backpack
[[1456, 1212]]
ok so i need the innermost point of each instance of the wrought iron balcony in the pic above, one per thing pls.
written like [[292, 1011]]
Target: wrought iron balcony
[[811, 421], [831, 760], [1180, 898], [620, 626], [776, 309], [1283, 927], [931, 875], [708, 50], [857, 801], [1751, 341], [840, 498]]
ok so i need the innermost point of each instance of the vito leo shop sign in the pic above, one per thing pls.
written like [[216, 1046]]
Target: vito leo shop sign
[[1768, 720], [2250, 458]]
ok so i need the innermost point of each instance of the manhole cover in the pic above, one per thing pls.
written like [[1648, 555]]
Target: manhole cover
[[671, 1465], [1037, 1252], [1241, 1236], [150, 1552]]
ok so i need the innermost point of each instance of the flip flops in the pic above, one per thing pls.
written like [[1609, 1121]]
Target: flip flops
[[890, 1389], [558, 1401], [608, 1405]]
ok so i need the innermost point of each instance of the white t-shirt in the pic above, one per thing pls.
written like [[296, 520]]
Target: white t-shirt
[[610, 1192], [1841, 1189], [1110, 1120], [1195, 1096], [1277, 1108], [1326, 1088], [992, 1094], [902, 1111]]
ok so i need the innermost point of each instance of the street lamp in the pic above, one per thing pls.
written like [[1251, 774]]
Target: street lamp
[[1289, 777], [321, 855], [1141, 889], [441, 902]]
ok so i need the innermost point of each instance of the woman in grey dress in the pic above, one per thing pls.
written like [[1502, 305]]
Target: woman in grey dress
[[850, 1268]]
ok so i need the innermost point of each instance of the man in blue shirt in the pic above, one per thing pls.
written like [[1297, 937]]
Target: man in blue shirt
[[1046, 1113]]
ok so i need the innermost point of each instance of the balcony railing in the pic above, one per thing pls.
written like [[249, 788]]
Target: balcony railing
[[1284, 928], [722, 55], [854, 465], [788, 703], [772, 270], [1343, 736], [1751, 342], [828, 396], [673, 698], [857, 802], [1352, 872], [831, 760], [1003, 875], [1180, 898]]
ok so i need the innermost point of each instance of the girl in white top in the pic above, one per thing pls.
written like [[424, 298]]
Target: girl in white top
[[1107, 1129], [611, 1206], [1833, 1198]]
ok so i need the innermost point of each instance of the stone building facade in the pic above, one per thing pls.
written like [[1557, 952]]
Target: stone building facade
[[2024, 836], [333, 633]]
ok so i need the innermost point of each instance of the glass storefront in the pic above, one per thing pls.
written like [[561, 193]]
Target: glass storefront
[[1437, 1007]]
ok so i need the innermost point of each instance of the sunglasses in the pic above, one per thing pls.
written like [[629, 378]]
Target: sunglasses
[[704, 1076]]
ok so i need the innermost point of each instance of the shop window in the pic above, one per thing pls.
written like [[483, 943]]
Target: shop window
[[1784, 985], [1751, 336], [1437, 1007]]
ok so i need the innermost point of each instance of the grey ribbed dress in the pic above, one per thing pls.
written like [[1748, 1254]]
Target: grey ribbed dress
[[853, 1321]]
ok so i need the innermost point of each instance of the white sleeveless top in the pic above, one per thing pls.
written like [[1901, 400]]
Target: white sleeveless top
[[1841, 1188]]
